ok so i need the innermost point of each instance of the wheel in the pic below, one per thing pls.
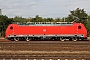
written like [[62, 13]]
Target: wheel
[[62, 39], [27, 39], [74, 39], [16, 39]]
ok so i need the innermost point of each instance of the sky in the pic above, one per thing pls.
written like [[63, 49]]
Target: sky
[[43, 8]]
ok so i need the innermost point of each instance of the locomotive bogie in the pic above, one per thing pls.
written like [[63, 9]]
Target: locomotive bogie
[[55, 37]]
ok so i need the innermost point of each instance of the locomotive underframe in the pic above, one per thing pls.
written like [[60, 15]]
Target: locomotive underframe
[[61, 37]]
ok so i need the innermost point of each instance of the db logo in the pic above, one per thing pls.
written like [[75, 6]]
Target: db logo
[[44, 30]]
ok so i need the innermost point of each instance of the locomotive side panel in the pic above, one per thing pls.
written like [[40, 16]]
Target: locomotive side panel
[[41, 30]]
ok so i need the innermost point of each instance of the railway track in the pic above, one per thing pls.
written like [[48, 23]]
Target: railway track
[[46, 50], [46, 57], [45, 46]]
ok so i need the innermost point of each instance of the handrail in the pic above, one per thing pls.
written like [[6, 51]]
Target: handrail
[[44, 23]]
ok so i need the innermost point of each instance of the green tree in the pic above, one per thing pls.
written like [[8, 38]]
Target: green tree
[[78, 15], [50, 20], [29, 19], [4, 22], [58, 20], [88, 25], [40, 19], [19, 19], [37, 19]]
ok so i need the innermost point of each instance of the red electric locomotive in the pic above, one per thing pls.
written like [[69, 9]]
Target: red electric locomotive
[[48, 30]]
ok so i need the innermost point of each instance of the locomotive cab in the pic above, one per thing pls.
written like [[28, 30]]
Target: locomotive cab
[[81, 31], [10, 31]]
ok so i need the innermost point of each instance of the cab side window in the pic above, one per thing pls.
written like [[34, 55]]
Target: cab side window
[[11, 27], [79, 27]]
